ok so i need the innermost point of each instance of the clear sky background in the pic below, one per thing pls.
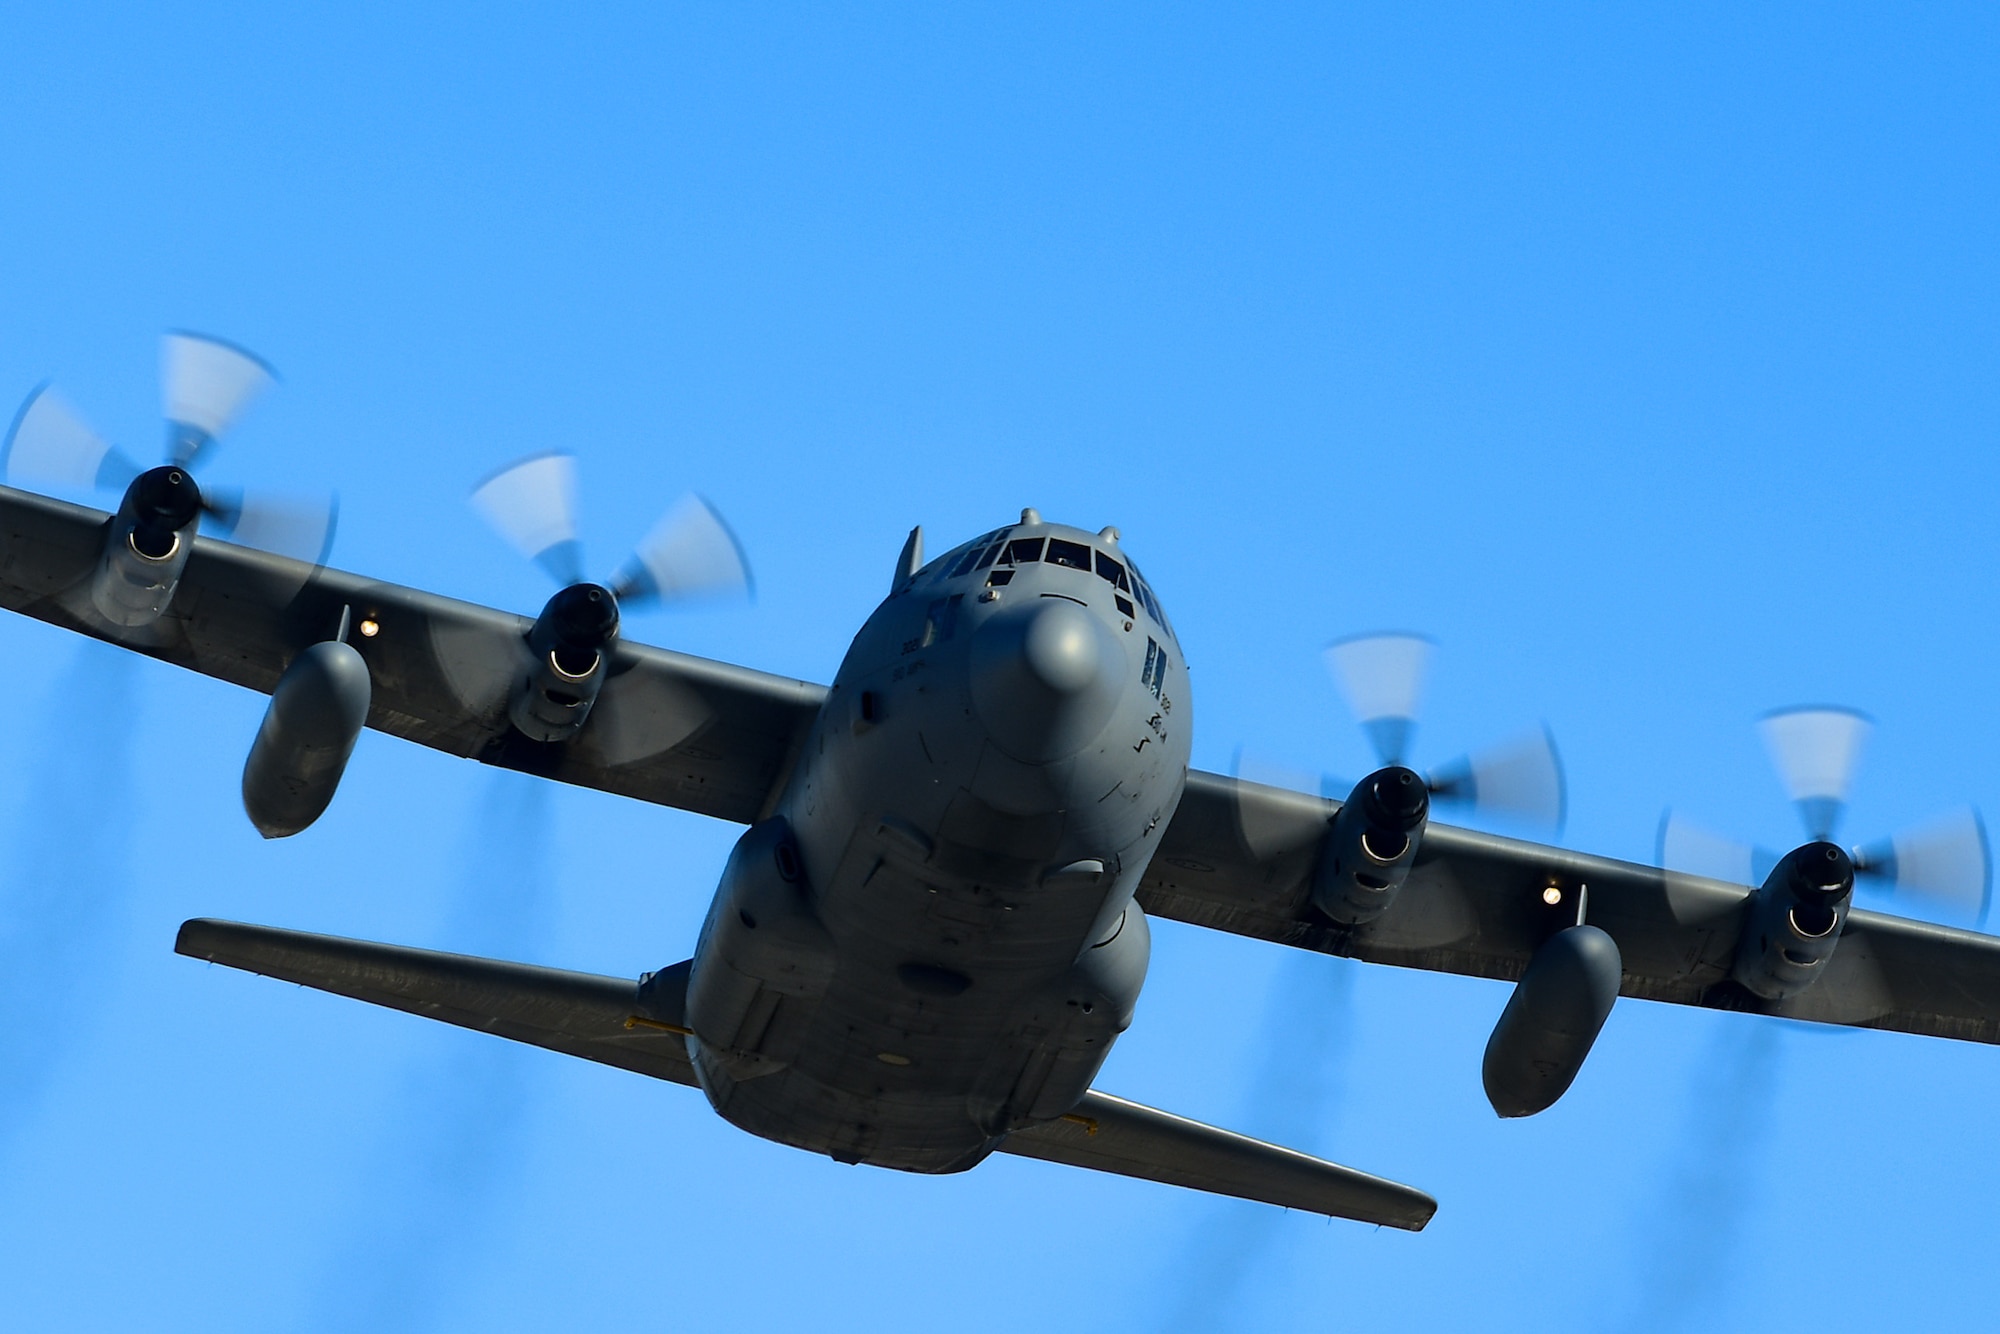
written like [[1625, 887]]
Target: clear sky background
[[1645, 357]]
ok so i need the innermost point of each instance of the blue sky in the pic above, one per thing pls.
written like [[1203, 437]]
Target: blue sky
[[1644, 358]]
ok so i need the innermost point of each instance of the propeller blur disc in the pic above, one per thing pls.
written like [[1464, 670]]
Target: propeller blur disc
[[1815, 751], [532, 504], [1696, 850], [206, 384], [1382, 678], [1945, 863], [1284, 821], [51, 445], [300, 527], [690, 553], [1521, 780]]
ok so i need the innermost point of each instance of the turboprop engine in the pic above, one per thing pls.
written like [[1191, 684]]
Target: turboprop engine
[[1791, 925], [1794, 921], [147, 546], [1372, 842], [568, 650], [206, 384], [1370, 845], [689, 554]]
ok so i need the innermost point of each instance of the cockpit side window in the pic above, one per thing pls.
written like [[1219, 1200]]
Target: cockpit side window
[[1075, 555], [1151, 603], [1146, 599], [992, 554], [1112, 572], [941, 620], [965, 562], [1154, 676]]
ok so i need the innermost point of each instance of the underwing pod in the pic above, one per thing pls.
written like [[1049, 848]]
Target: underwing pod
[[316, 714], [1551, 1021]]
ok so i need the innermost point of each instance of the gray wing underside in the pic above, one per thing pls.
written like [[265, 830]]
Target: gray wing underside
[[603, 1019], [1109, 1134], [1239, 856], [669, 728], [639, 1026]]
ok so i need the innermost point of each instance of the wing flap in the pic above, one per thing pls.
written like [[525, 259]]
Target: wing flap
[[633, 1025], [1109, 1134]]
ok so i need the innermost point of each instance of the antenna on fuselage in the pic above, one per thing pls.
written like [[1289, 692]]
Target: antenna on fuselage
[[910, 561]]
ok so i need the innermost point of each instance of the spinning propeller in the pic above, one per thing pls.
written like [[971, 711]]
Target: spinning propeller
[[1382, 679], [205, 386], [690, 554], [1944, 862]]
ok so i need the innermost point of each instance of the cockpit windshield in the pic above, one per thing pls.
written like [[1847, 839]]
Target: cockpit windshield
[[1001, 556], [1074, 555]]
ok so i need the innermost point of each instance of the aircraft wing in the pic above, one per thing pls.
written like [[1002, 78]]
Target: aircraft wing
[[639, 1026], [608, 1019], [1110, 1134], [1239, 857], [668, 728]]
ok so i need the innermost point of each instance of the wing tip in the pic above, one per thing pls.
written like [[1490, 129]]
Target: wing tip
[[201, 937]]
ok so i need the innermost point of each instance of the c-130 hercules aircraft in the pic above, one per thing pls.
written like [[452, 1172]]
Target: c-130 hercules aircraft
[[934, 926]]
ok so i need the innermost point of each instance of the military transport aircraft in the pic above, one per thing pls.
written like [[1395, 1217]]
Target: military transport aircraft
[[935, 923]]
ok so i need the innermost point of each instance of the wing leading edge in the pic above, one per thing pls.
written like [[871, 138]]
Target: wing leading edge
[[669, 728], [638, 1026], [1239, 857]]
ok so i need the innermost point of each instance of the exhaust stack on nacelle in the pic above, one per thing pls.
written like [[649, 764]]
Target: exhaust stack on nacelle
[[302, 748], [1551, 1021]]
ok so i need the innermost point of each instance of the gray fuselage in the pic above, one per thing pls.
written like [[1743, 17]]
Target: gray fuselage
[[933, 940]]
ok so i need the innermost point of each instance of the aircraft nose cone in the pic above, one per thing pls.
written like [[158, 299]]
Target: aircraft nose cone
[[1060, 647], [1045, 679]]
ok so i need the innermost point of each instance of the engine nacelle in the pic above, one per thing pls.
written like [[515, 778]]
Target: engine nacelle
[[1370, 845], [302, 747], [763, 951], [1793, 921], [569, 650], [1551, 1021], [146, 547]]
